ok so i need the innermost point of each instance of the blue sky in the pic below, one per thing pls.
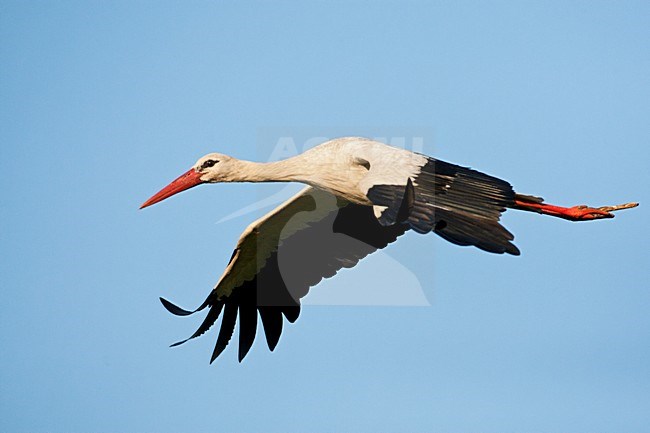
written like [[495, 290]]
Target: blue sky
[[103, 103]]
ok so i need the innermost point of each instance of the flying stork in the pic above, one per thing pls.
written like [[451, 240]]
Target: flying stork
[[361, 195]]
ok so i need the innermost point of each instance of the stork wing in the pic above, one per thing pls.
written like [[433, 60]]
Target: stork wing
[[280, 256], [461, 205]]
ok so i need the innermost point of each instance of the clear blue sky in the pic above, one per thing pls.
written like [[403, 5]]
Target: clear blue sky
[[103, 103]]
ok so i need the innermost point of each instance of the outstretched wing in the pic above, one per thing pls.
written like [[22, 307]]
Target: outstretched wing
[[461, 205], [280, 256]]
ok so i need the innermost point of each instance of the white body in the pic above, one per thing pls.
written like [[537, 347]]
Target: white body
[[347, 167]]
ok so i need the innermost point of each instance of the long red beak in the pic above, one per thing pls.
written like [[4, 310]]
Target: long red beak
[[185, 181]]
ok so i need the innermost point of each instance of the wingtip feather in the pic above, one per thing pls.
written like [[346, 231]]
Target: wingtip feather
[[174, 309]]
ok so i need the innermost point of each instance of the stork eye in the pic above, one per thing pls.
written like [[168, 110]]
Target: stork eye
[[209, 163]]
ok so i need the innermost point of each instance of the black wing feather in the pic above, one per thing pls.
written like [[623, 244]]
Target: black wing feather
[[291, 312], [460, 204], [226, 330], [463, 206], [209, 320], [247, 323], [272, 323], [178, 311]]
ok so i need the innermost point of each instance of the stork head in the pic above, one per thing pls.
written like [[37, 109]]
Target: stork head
[[211, 168]]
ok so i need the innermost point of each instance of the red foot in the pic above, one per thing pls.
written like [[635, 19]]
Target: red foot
[[575, 213], [584, 212]]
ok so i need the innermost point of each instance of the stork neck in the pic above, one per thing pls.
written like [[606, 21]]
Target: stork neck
[[288, 170]]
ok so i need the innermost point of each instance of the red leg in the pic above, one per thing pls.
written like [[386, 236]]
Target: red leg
[[575, 213]]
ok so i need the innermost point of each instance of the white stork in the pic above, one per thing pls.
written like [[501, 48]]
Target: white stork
[[361, 196]]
